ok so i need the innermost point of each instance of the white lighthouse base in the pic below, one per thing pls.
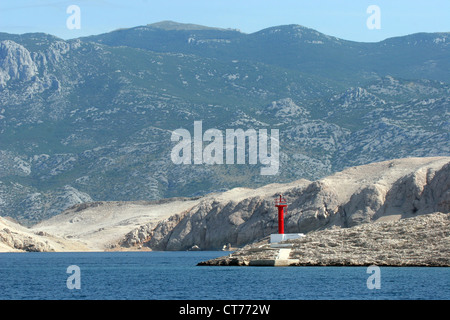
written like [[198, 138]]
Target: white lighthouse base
[[278, 237]]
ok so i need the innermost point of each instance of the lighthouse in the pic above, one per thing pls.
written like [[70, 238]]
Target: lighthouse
[[281, 204]]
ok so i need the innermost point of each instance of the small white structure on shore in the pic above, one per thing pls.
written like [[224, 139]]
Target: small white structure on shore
[[276, 237], [281, 203]]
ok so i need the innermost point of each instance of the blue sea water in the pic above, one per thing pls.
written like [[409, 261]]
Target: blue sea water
[[176, 276]]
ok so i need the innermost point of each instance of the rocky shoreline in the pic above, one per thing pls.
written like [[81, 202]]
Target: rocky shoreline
[[419, 241]]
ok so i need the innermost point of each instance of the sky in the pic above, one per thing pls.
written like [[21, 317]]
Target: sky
[[357, 20]]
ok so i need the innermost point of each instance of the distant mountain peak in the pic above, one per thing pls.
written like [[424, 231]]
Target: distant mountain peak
[[296, 31], [172, 25]]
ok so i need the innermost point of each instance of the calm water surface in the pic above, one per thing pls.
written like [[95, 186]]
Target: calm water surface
[[175, 276]]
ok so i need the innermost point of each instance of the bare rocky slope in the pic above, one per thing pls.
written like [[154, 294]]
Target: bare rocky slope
[[388, 190], [358, 196]]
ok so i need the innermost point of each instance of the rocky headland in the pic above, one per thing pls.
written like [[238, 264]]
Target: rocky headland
[[418, 241]]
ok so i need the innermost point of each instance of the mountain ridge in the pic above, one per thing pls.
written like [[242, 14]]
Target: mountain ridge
[[86, 120], [173, 25], [301, 49]]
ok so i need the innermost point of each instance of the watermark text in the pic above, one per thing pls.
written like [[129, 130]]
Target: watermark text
[[235, 147]]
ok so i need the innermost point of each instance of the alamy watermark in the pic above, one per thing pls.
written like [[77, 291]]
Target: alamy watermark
[[74, 20], [74, 280], [188, 150], [374, 20], [374, 280]]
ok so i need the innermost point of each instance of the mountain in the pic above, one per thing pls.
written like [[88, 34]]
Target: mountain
[[422, 55], [91, 119]]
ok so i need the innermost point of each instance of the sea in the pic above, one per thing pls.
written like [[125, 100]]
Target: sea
[[151, 275]]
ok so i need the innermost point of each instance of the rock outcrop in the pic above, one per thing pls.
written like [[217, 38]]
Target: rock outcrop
[[16, 238], [23, 242], [15, 63]]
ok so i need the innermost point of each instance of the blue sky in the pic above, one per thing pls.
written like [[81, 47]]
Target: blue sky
[[341, 18]]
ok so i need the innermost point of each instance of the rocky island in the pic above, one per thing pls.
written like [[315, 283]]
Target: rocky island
[[418, 241]]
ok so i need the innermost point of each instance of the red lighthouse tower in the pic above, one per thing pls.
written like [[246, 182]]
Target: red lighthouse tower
[[280, 203], [275, 238]]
